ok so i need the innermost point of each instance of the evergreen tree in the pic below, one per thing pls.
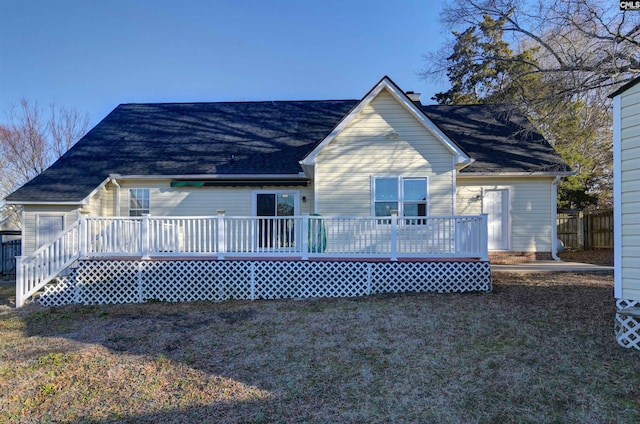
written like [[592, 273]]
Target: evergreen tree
[[484, 69]]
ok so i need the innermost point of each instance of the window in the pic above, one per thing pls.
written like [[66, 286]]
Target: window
[[139, 201], [386, 196], [415, 196], [406, 196]]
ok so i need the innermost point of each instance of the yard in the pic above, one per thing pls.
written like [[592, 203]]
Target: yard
[[540, 348]]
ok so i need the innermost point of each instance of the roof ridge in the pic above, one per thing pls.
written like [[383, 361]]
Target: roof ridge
[[234, 102]]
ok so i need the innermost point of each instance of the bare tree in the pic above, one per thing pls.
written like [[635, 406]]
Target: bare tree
[[558, 60], [66, 126], [582, 45], [30, 142]]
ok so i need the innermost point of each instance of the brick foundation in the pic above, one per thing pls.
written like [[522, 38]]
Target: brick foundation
[[510, 258]]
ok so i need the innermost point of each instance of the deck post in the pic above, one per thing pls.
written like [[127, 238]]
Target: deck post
[[20, 283], [484, 237], [222, 242], [394, 235], [82, 235], [139, 282], [305, 233], [144, 236]]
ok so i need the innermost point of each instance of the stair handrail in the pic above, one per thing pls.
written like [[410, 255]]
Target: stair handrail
[[43, 265]]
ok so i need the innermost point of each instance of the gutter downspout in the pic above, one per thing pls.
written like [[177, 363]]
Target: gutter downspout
[[315, 189], [115, 183], [554, 219]]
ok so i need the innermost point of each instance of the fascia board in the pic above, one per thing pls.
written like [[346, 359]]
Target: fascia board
[[514, 174], [207, 177], [28, 203]]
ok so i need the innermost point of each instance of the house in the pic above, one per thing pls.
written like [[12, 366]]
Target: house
[[626, 163], [386, 155]]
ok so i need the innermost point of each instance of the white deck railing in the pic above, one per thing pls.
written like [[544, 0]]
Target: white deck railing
[[43, 265], [300, 236], [251, 236]]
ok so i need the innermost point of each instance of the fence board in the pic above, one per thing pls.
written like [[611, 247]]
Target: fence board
[[586, 230], [10, 249]]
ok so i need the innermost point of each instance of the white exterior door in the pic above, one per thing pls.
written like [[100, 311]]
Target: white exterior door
[[49, 226], [495, 204]]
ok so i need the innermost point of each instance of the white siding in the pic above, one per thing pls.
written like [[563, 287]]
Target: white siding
[[367, 147], [102, 203], [630, 192], [165, 201], [529, 208], [203, 201]]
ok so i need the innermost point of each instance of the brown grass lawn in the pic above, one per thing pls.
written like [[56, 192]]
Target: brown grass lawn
[[594, 256], [539, 349]]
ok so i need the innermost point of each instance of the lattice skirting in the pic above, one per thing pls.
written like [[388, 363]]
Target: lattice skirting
[[137, 281], [627, 326]]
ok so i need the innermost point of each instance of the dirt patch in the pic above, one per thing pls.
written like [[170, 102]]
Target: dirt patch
[[596, 256]]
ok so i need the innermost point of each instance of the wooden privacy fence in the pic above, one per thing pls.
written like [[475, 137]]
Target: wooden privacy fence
[[586, 230], [8, 252]]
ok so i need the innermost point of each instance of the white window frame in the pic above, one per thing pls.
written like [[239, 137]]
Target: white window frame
[[148, 210], [401, 202], [294, 193]]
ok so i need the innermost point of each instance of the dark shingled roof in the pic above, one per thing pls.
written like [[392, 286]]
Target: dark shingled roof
[[264, 138], [498, 137], [188, 139], [625, 87]]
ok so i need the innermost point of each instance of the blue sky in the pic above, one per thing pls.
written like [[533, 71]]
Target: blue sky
[[94, 55]]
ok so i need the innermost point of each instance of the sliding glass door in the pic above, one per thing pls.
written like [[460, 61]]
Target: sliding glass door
[[278, 232]]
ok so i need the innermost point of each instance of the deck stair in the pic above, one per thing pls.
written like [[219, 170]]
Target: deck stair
[[47, 263]]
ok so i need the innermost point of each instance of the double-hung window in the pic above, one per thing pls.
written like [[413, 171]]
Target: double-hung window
[[139, 201], [406, 196]]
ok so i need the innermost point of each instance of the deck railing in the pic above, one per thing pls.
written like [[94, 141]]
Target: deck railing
[[300, 236], [224, 236], [36, 270]]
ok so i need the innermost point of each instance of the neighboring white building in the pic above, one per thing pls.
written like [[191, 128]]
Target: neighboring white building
[[626, 162]]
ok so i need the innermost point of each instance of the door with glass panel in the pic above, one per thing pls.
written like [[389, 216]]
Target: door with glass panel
[[277, 231]]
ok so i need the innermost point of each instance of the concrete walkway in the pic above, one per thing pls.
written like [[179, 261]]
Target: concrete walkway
[[551, 266]]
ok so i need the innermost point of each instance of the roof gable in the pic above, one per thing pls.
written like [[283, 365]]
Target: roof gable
[[386, 84]]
